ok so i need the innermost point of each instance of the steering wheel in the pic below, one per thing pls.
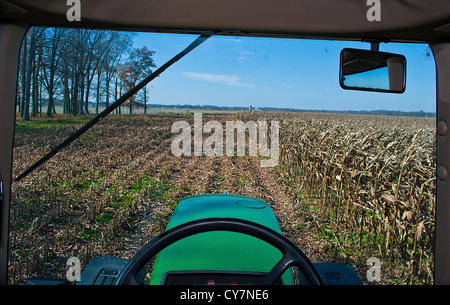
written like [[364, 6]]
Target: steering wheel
[[292, 255]]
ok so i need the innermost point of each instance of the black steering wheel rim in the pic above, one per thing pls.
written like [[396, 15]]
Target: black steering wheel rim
[[292, 255]]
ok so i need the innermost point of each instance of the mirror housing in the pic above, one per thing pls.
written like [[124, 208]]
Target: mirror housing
[[372, 71]]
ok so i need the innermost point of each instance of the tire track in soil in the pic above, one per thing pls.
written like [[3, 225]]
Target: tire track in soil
[[252, 180], [289, 215]]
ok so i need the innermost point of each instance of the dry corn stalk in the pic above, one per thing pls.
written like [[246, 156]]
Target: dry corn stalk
[[375, 174]]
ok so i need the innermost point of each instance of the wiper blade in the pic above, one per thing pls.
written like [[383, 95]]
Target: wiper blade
[[113, 106]]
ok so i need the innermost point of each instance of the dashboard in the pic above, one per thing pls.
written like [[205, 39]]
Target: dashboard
[[214, 278]]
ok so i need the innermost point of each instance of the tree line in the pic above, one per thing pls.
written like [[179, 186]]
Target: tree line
[[79, 68]]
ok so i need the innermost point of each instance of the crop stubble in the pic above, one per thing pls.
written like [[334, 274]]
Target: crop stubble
[[347, 188]]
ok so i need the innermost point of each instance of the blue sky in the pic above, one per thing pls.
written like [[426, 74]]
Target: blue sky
[[268, 72]]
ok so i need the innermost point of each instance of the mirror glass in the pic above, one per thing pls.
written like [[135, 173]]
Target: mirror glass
[[372, 71]]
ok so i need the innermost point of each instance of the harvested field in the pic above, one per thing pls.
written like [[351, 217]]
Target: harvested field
[[347, 188]]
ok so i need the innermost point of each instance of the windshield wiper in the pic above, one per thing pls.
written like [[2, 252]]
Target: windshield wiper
[[113, 106]]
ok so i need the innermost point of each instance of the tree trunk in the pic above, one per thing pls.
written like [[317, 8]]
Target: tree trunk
[[81, 95], [24, 76], [86, 97], [145, 100], [107, 91], [75, 96], [26, 112], [34, 102], [98, 93]]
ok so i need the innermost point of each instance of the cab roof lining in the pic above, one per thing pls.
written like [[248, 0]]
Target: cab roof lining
[[402, 20]]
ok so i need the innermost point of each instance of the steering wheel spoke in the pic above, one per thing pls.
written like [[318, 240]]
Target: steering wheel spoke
[[278, 270]]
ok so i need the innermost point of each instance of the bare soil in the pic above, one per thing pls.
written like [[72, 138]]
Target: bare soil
[[86, 202]]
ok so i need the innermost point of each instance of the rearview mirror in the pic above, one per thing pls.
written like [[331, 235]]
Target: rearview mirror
[[372, 71]]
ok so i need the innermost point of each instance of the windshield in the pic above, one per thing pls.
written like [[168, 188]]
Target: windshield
[[348, 174]]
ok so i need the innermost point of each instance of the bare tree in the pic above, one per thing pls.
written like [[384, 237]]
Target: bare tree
[[52, 52], [138, 66], [34, 34], [64, 62], [107, 58]]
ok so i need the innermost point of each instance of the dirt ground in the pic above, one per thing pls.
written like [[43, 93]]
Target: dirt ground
[[86, 200]]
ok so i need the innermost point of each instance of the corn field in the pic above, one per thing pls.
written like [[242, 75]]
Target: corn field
[[373, 179], [362, 186]]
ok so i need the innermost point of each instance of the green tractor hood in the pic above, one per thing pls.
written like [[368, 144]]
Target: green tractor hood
[[219, 252]]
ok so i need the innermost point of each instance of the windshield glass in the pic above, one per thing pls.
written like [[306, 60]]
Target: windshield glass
[[348, 174]]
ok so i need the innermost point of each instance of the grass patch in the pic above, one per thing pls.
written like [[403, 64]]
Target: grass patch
[[146, 185], [89, 235], [105, 218], [38, 123]]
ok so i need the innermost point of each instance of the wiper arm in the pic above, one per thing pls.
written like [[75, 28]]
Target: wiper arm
[[113, 106]]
